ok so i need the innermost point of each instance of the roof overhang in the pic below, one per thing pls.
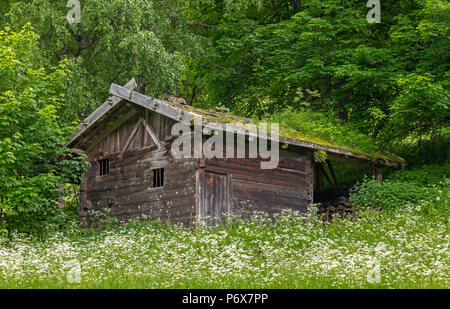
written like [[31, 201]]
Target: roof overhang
[[188, 115]]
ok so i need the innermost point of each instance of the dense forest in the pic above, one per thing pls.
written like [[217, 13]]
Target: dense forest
[[370, 76], [317, 66]]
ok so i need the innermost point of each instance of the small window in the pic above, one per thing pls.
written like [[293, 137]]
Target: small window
[[104, 167], [158, 177]]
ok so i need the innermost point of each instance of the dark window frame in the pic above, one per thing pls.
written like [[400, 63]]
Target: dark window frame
[[103, 165], [158, 178]]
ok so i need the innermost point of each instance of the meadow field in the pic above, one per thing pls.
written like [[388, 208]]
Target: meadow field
[[408, 248], [359, 89]]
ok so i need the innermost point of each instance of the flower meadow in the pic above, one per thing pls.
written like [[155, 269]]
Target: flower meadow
[[403, 249]]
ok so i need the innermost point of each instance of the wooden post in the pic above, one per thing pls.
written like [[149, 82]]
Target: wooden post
[[61, 196], [318, 178], [377, 174], [330, 167], [324, 173], [83, 206]]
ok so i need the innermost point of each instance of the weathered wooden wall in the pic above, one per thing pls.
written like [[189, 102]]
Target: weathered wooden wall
[[192, 187], [115, 141], [128, 188], [271, 190]]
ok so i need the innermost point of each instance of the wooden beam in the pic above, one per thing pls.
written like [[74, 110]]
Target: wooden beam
[[99, 113], [130, 138], [330, 167], [108, 130], [111, 101], [152, 133], [79, 151], [322, 169], [377, 174], [318, 178], [147, 128], [362, 160], [153, 104]]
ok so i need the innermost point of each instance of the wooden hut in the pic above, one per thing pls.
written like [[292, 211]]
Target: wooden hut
[[132, 172]]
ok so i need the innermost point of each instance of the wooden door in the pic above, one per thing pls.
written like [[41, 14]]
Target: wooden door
[[214, 196]]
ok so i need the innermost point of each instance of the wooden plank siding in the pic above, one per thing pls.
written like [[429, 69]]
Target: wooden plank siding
[[214, 196], [288, 186], [131, 134], [127, 190], [117, 139], [192, 187]]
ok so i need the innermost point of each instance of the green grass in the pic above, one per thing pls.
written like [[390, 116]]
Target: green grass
[[311, 127], [325, 130], [410, 248]]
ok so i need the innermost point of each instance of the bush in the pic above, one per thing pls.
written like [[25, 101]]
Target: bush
[[439, 206], [423, 176], [34, 161], [388, 195], [433, 150]]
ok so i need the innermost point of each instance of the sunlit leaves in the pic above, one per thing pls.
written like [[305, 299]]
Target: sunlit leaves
[[31, 137]]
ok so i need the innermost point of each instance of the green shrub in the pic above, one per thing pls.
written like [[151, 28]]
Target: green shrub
[[388, 195], [34, 161], [438, 207], [423, 176], [433, 150]]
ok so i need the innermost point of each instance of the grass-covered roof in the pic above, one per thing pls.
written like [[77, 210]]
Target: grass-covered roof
[[294, 128]]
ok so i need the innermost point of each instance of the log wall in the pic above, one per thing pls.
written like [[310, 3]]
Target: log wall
[[288, 186], [192, 187], [127, 190]]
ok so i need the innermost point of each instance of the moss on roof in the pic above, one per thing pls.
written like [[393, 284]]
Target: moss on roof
[[383, 155], [294, 128], [290, 132]]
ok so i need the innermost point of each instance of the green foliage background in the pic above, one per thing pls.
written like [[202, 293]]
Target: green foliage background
[[33, 159], [315, 65], [389, 79]]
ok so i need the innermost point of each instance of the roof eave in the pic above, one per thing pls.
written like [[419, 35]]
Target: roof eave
[[127, 93]]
